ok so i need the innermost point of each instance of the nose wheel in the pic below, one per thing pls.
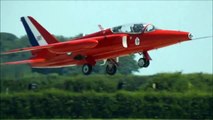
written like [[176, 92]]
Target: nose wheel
[[143, 62], [87, 69]]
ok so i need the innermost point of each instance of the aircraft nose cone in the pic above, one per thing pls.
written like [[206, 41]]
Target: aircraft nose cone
[[181, 36], [190, 36]]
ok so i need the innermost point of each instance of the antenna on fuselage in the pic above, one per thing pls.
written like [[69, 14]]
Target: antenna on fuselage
[[101, 28]]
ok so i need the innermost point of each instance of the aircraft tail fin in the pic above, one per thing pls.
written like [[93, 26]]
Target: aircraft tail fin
[[38, 35]]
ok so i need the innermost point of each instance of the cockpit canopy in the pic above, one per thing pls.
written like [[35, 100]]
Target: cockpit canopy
[[133, 28]]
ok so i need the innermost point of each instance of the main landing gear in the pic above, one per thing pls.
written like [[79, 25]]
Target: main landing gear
[[87, 69], [112, 64], [111, 67], [144, 61]]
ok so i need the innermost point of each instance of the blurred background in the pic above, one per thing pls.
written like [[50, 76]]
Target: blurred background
[[177, 84]]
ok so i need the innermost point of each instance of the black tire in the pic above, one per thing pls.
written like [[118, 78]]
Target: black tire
[[111, 69], [146, 63], [142, 62], [87, 69]]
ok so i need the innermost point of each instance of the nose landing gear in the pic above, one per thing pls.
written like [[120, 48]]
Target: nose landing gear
[[145, 61]]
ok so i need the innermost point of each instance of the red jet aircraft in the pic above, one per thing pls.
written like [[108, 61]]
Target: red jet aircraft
[[106, 45]]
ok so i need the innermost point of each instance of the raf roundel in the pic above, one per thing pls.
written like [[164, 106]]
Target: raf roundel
[[137, 41]]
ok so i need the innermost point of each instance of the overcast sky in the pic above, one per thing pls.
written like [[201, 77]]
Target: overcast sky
[[69, 18]]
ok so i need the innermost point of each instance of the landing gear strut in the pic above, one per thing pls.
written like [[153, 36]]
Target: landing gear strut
[[144, 62], [87, 69]]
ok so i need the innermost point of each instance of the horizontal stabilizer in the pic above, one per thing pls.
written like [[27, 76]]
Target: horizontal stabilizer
[[24, 61]]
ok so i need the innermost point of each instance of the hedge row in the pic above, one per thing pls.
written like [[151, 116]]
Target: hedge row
[[62, 104], [171, 82]]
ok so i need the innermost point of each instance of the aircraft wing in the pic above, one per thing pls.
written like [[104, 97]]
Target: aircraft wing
[[73, 46], [24, 49], [30, 61], [60, 48]]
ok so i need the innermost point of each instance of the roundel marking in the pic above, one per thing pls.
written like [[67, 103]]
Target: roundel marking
[[137, 41]]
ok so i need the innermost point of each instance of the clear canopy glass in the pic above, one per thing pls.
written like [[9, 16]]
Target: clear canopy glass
[[133, 28]]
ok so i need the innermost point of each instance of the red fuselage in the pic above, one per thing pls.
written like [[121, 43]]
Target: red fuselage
[[112, 45], [107, 45]]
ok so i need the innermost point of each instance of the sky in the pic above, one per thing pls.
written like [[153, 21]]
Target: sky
[[69, 18]]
